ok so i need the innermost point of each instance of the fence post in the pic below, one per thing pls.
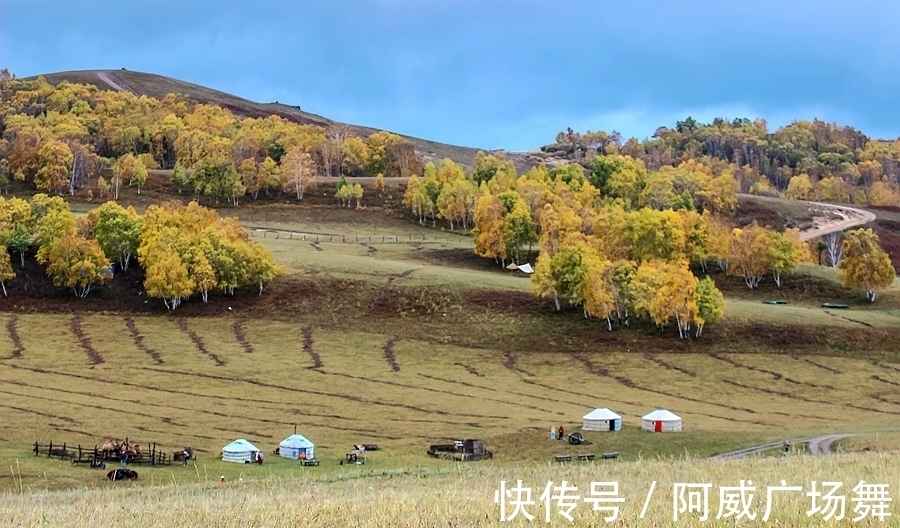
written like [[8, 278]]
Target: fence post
[[35, 449], [50, 449]]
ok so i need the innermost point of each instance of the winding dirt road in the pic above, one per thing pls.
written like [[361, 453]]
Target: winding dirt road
[[852, 217], [818, 445]]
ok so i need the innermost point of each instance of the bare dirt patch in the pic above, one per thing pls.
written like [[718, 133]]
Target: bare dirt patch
[[308, 348], [15, 337], [669, 366], [198, 342], [85, 342], [139, 341], [241, 336], [389, 356]]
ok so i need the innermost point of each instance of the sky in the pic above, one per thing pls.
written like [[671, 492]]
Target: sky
[[494, 74]]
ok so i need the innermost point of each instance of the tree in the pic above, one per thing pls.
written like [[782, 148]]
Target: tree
[[865, 264], [749, 256], [168, 279], [518, 230], [55, 164], [138, 175], [799, 188], [710, 303], [118, 231], [203, 275], [179, 178], [20, 242], [356, 192], [78, 263], [489, 229], [299, 170], [6, 270], [379, 183], [783, 253], [834, 247]]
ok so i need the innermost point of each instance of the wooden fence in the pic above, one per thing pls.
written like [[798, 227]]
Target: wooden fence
[[95, 457], [357, 239]]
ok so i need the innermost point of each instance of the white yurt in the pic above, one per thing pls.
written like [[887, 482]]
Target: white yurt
[[661, 421], [601, 420], [240, 451], [292, 446]]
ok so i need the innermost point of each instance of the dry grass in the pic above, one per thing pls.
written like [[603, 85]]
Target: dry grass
[[463, 497]]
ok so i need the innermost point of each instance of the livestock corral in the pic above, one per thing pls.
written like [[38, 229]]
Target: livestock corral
[[123, 452]]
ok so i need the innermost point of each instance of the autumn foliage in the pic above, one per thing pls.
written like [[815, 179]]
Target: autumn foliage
[[184, 250]]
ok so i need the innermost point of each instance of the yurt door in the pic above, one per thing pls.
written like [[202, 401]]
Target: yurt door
[[658, 426]]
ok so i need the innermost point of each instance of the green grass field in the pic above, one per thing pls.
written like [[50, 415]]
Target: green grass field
[[409, 343]]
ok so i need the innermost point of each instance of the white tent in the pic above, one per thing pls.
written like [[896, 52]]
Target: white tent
[[601, 420], [526, 268], [292, 446], [661, 421], [240, 451]]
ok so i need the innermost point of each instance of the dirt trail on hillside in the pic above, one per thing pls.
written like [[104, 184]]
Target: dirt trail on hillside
[[851, 217], [114, 82]]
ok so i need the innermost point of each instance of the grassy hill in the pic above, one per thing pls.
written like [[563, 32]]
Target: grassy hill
[[158, 86]]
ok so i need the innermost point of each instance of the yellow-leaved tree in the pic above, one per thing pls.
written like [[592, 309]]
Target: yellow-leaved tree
[[865, 264], [749, 257], [6, 270], [78, 263], [168, 279], [489, 240]]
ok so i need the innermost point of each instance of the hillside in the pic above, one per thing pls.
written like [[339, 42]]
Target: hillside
[[158, 86]]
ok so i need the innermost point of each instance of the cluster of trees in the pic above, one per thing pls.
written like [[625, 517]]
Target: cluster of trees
[[63, 137], [183, 249], [829, 162]]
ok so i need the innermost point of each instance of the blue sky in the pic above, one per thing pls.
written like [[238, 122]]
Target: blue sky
[[494, 74]]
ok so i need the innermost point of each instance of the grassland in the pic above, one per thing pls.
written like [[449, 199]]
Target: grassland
[[391, 333], [457, 496]]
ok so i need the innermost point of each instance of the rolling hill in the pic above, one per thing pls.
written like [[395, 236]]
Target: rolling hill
[[158, 86]]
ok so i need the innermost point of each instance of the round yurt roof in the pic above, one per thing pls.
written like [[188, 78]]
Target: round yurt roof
[[662, 415], [296, 441], [601, 414], [240, 445]]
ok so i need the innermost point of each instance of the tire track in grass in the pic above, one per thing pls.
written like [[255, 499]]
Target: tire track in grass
[[170, 433], [602, 372], [886, 381], [13, 332], [543, 398], [40, 413], [241, 336], [430, 389], [511, 362], [390, 357], [882, 365], [470, 370], [206, 410], [776, 375], [279, 404], [89, 406], [347, 397], [803, 398], [823, 367], [308, 348], [139, 341], [198, 342], [85, 342], [669, 366]]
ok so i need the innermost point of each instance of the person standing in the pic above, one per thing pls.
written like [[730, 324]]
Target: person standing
[[553, 432], [185, 456], [562, 433]]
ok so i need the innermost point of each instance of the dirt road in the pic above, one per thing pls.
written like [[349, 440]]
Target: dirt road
[[818, 445], [852, 217], [114, 83]]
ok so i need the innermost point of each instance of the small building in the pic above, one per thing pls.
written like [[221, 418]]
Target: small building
[[241, 451], [294, 445], [661, 421], [601, 420]]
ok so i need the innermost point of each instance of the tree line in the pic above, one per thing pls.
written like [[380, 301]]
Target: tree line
[[619, 240], [802, 160], [183, 250], [72, 136]]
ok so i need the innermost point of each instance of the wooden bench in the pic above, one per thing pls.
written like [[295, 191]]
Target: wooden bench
[[586, 456], [610, 455], [563, 458], [309, 462]]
